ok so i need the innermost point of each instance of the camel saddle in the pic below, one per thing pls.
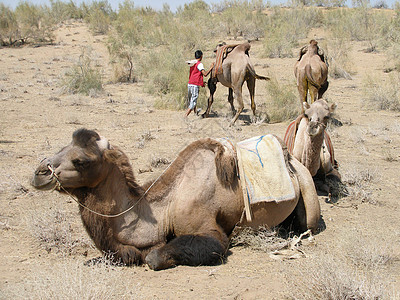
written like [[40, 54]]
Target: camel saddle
[[222, 53], [262, 171], [290, 136]]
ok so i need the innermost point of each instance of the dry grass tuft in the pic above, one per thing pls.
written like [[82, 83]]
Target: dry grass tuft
[[159, 162], [144, 138], [384, 95], [354, 270], [72, 280], [261, 239], [55, 233], [328, 277], [357, 181]]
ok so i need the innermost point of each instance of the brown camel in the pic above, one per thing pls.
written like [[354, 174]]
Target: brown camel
[[236, 69], [184, 217], [311, 72], [308, 141]]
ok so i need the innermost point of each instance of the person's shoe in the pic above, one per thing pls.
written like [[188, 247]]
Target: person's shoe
[[198, 111]]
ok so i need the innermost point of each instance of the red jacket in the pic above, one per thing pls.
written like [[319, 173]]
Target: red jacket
[[195, 76]]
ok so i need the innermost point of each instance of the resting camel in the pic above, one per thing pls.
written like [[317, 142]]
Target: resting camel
[[308, 141], [183, 218], [236, 69], [311, 73]]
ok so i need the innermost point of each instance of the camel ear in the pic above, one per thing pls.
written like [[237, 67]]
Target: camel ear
[[332, 107], [306, 105], [103, 144]]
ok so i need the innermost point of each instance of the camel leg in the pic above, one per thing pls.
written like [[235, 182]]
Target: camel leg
[[212, 86], [193, 250], [238, 96], [251, 85], [313, 93], [308, 211], [302, 88], [323, 89], [230, 100]]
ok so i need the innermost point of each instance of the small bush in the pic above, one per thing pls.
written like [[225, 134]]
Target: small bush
[[9, 32], [337, 52], [82, 78], [61, 11], [384, 95], [99, 16], [282, 103]]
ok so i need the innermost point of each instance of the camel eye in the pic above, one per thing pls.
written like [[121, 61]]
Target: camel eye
[[80, 164], [306, 116]]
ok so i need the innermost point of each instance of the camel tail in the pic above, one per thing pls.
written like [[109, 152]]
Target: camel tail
[[310, 78], [253, 73]]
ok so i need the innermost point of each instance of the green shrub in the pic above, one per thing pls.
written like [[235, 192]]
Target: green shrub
[[61, 11], [82, 78], [241, 18], [34, 22], [385, 95], [166, 75], [99, 16], [337, 51], [282, 103], [9, 32], [359, 24], [285, 27]]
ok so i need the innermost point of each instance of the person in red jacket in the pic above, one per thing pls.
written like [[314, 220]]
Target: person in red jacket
[[196, 75]]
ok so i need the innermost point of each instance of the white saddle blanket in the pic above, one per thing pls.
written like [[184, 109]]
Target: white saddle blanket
[[264, 173]]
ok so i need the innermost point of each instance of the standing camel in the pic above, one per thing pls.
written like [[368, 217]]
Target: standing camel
[[311, 73], [236, 68]]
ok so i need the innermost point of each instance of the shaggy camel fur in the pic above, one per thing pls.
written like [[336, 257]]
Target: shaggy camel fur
[[311, 73], [184, 217], [312, 146], [236, 69]]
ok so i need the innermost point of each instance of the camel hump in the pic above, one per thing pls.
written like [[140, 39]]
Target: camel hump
[[246, 47]]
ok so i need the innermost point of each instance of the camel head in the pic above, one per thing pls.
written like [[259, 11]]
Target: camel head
[[80, 164], [318, 115], [313, 47]]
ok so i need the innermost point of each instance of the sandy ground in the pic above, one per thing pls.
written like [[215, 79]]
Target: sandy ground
[[36, 121]]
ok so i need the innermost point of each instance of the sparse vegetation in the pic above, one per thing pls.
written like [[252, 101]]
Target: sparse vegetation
[[384, 95], [55, 234], [261, 239], [286, 27], [83, 77], [357, 182], [282, 104]]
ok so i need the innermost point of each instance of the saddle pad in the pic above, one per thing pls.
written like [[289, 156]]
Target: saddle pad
[[220, 56], [264, 172]]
